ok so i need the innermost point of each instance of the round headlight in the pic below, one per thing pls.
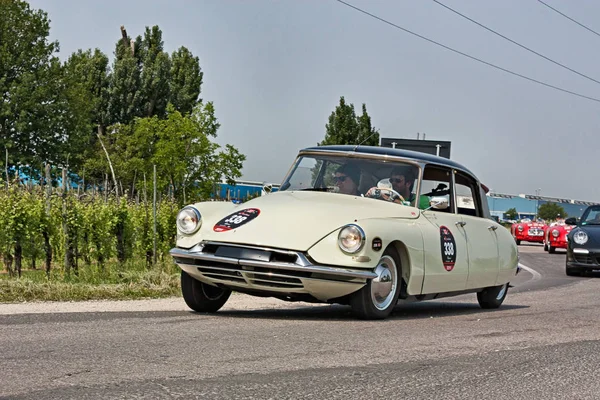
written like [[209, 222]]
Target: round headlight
[[520, 228], [188, 220], [555, 233], [351, 239], [580, 237]]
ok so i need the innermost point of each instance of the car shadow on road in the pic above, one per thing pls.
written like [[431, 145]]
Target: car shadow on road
[[338, 312]]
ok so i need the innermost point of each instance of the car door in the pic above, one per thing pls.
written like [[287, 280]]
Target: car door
[[446, 259], [480, 232]]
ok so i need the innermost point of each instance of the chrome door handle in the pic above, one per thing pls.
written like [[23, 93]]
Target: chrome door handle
[[492, 227], [460, 223]]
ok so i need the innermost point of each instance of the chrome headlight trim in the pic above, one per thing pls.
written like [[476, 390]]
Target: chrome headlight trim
[[555, 232], [189, 214], [359, 238]]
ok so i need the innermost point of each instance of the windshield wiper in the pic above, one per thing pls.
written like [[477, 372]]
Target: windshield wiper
[[323, 189]]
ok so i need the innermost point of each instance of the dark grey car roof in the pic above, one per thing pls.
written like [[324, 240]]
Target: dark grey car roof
[[388, 151]]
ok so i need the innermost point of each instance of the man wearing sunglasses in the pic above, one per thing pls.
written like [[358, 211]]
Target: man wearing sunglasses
[[346, 178]]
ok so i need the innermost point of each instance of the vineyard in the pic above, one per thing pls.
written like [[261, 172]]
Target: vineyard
[[66, 237]]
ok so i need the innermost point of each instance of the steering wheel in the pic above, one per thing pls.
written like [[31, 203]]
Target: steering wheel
[[376, 193]]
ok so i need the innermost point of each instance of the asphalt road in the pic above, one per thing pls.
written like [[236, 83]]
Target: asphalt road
[[543, 343]]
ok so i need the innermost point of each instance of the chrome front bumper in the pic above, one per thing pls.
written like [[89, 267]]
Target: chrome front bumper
[[268, 270]]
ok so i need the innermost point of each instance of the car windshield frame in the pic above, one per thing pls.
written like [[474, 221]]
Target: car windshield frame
[[370, 160], [584, 221]]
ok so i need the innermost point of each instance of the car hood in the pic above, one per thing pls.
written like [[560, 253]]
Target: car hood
[[294, 220]]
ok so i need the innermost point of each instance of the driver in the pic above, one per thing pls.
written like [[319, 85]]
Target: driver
[[346, 178]]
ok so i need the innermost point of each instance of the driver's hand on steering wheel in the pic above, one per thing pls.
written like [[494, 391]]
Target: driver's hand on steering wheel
[[383, 194]]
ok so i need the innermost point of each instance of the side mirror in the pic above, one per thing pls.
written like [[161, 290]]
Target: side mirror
[[571, 221], [267, 188], [438, 203]]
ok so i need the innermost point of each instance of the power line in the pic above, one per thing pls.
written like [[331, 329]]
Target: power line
[[567, 17], [514, 42], [468, 56]]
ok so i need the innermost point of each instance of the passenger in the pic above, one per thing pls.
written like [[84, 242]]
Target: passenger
[[346, 178]]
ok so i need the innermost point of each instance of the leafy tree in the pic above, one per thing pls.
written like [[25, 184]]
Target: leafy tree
[[511, 214], [550, 211], [187, 161], [86, 77], [345, 127], [186, 80], [125, 97], [155, 73], [33, 110]]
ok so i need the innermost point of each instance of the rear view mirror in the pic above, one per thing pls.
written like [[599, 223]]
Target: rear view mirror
[[571, 221]]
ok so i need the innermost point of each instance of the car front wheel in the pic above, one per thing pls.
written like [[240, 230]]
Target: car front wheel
[[379, 296], [492, 297], [202, 297]]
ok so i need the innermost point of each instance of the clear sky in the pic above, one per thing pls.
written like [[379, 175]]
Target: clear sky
[[276, 69]]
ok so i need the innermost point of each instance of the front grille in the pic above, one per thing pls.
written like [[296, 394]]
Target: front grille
[[251, 275], [585, 259]]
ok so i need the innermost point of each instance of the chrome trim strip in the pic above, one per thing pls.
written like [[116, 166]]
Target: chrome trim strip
[[305, 265], [246, 246], [198, 255]]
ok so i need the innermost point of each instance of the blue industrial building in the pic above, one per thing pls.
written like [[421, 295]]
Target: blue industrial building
[[242, 190]]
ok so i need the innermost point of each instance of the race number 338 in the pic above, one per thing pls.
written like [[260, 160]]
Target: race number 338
[[448, 245], [236, 220]]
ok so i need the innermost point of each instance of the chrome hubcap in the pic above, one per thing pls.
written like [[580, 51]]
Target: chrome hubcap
[[212, 292], [383, 287], [502, 292]]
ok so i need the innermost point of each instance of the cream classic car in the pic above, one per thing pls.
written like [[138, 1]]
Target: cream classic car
[[358, 225]]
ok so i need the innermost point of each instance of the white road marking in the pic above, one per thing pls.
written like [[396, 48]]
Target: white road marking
[[536, 275]]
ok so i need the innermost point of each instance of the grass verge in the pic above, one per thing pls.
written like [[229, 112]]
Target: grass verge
[[92, 284]]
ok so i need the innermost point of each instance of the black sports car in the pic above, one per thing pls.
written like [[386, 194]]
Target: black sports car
[[583, 248]]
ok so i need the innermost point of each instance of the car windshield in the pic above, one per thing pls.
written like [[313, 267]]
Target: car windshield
[[353, 176], [591, 216]]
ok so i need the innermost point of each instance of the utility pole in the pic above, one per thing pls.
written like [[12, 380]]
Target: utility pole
[[537, 206]]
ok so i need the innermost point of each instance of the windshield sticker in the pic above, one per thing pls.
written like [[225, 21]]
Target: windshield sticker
[[236, 220], [448, 248]]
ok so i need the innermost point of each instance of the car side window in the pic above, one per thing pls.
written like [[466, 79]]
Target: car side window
[[437, 184], [467, 195]]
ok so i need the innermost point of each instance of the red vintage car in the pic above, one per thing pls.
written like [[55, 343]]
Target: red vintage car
[[528, 231], [556, 236]]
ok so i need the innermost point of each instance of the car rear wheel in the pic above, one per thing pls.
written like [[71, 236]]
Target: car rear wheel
[[492, 297], [545, 246], [202, 297], [518, 242], [379, 296]]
